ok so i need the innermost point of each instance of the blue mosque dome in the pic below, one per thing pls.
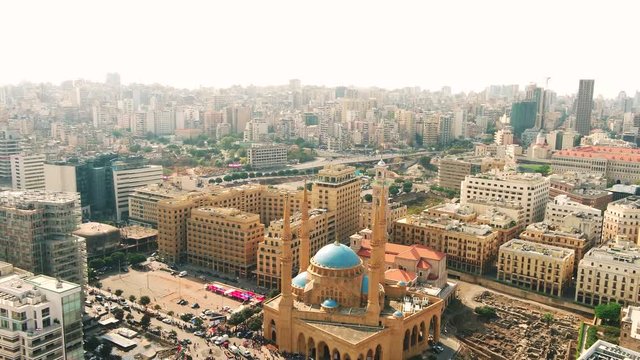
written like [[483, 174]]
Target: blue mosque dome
[[336, 256], [365, 285], [301, 280], [330, 304], [402, 283], [398, 314]]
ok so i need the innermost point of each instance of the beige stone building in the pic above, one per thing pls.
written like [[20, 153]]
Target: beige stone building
[[267, 203], [143, 202], [622, 218], [321, 232], [609, 273], [469, 247], [566, 237], [452, 171], [224, 239], [336, 188], [340, 309], [630, 328], [538, 267], [395, 211], [530, 190]]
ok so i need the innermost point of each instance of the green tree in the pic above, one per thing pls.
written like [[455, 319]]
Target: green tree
[[170, 313], [255, 323], [135, 259], [144, 300], [227, 178], [309, 186], [407, 186], [147, 149], [236, 318], [118, 258], [197, 322], [118, 313], [135, 148], [145, 321], [104, 350], [218, 180], [96, 264], [132, 298], [243, 175], [368, 197], [547, 318], [186, 317], [118, 292], [394, 190], [609, 312], [157, 307], [116, 133], [92, 343], [486, 312]]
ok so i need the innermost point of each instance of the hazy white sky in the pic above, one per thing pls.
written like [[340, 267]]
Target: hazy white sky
[[429, 43]]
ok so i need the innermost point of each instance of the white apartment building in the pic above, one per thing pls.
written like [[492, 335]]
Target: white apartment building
[[27, 171], [530, 190], [40, 317], [622, 218], [609, 273], [267, 156], [127, 176], [562, 206]]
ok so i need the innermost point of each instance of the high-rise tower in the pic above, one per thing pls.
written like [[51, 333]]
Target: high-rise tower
[[304, 234], [286, 269], [378, 241], [584, 106]]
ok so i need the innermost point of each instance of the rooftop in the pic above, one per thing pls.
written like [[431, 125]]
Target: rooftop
[[602, 350], [601, 152], [94, 228], [25, 200], [509, 176], [631, 202], [52, 284], [631, 314], [523, 246], [228, 212], [137, 232]]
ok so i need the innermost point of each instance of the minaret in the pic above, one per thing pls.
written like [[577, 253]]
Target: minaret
[[304, 233], [286, 269], [378, 241]]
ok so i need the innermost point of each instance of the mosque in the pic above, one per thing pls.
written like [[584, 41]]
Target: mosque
[[340, 309]]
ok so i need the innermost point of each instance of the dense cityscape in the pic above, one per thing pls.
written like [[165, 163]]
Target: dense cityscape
[[335, 180], [301, 221]]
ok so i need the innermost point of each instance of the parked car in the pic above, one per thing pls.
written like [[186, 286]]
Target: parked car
[[234, 349], [166, 321], [195, 306]]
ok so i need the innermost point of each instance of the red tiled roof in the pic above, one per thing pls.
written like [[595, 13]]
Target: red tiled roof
[[364, 253], [423, 265], [398, 275], [602, 152], [412, 252]]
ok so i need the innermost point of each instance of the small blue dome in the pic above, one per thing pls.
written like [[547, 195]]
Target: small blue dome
[[365, 285], [300, 281], [398, 314], [402, 283], [330, 304], [336, 256]]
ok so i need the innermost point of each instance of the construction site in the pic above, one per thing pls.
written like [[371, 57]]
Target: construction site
[[515, 330]]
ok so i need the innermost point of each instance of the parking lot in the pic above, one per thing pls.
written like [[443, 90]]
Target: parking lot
[[166, 290]]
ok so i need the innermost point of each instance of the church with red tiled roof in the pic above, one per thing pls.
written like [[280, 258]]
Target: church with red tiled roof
[[411, 264]]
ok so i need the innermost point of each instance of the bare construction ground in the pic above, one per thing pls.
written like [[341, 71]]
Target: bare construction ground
[[521, 330]]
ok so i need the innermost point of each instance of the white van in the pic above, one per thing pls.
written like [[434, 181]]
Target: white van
[[182, 274]]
